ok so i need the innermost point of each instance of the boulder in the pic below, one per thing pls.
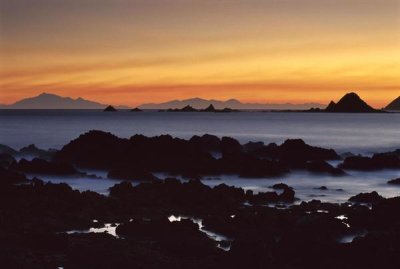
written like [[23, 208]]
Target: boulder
[[371, 197]]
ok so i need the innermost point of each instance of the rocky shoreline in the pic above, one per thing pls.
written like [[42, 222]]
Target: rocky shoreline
[[173, 224]]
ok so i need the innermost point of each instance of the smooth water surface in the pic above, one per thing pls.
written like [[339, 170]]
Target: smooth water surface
[[363, 133]]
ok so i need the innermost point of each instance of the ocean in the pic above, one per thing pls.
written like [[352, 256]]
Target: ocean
[[356, 133]]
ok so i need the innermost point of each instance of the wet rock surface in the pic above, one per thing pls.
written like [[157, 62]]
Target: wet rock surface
[[395, 181], [35, 216], [376, 162], [193, 157], [40, 222]]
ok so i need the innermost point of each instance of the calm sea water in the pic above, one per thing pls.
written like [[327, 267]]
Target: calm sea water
[[358, 133], [363, 133]]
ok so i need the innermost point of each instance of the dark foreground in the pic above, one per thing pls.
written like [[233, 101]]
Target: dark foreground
[[264, 230]]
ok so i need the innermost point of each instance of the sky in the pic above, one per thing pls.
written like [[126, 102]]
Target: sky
[[137, 51]]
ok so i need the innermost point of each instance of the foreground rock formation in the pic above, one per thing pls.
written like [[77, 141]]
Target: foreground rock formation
[[35, 219]]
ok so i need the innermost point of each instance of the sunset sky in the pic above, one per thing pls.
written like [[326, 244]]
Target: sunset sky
[[136, 51]]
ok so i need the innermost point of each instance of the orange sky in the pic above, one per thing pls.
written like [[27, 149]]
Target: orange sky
[[137, 51]]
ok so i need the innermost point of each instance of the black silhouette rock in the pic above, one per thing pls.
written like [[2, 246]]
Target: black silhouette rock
[[32, 150], [371, 197], [210, 108], [110, 109], [394, 105], [40, 166], [9, 176], [6, 160], [295, 153], [376, 162], [350, 103], [8, 150], [323, 167], [187, 108], [136, 109], [280, 186], [395, 181]]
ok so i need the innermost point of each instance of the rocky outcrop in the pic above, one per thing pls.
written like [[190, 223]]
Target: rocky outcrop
[[323, 167], [395, 181], [110, 109], [394, 105], [295, 153], [193, 157], [39, 166], [350, 103], [371, 197], [136, 109], [376, 162]]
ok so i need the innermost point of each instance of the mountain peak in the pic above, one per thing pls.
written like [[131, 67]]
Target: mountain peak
[[394, 105], [350, 102], [47, 100]]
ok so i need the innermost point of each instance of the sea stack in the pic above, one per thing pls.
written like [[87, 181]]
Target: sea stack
[[350, 103], [210, 108], [110, 109], [136, 109], [394, 105]]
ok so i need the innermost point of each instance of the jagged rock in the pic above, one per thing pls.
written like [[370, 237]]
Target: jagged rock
[[39, 166], [110, 109], [7, 150], [378, 161], [371, 197], [395, 181], [350, 103], [323, 167]]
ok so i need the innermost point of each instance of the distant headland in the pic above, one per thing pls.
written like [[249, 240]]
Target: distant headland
[[349, 103]]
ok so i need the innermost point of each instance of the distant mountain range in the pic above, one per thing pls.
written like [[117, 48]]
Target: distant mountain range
[[199, 103], [53, 101], [394, 105], [351, 102]]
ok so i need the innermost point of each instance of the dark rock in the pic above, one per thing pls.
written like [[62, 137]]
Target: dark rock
[[110, 109], [378, 161], [32, 150], [371, 197], [230, 146], [39, 166], [187, 108], [6, 160], [280, 186], [210, 108], [296, 153], [136, 109], [395, 181], [394, 105], [8, 176], [7, 150], [322, 188], [252, 146], [178, 237], [323, 167], [206, 142], [350, 103]]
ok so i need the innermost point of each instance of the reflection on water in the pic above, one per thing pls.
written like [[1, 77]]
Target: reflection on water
[[223, 242], [109, 228], [339, 189], [350, 237]]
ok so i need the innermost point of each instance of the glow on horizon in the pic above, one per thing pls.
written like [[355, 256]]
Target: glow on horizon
[[133, 52]]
